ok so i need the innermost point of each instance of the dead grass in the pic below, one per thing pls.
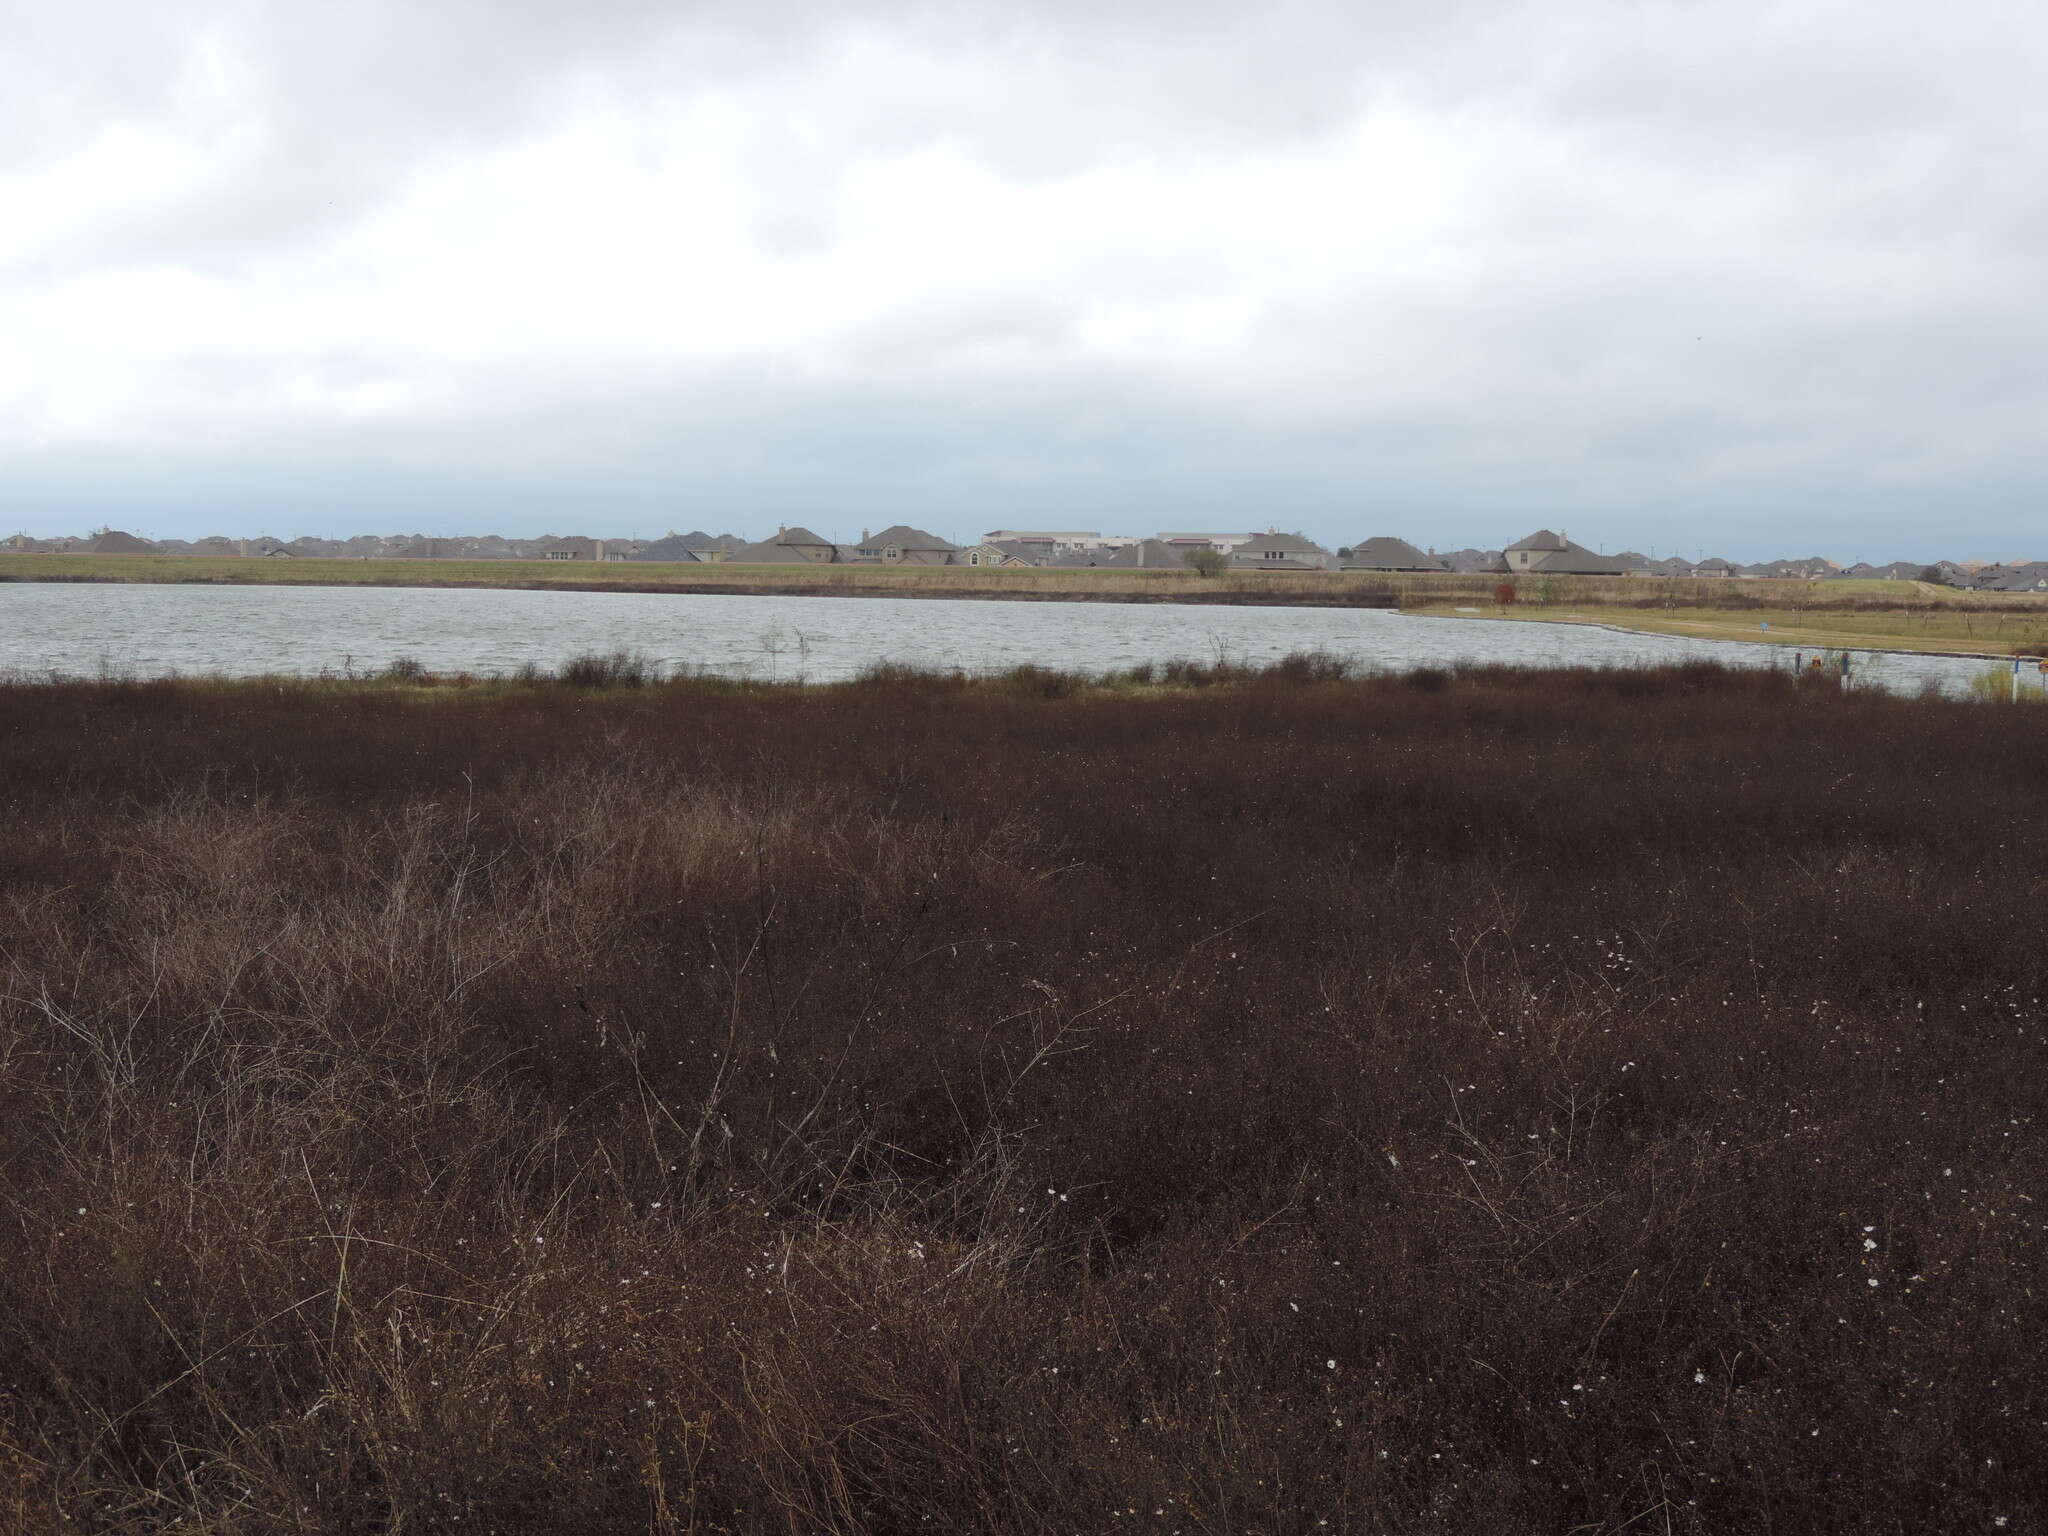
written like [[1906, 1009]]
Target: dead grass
[[836, 580], [1471, 1101], [1964, 628]]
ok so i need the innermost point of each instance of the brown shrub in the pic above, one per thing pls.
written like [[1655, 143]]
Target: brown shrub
[[1500, 1101]]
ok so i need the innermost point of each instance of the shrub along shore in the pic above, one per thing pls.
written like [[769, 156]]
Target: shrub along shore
[[1208, 1102]]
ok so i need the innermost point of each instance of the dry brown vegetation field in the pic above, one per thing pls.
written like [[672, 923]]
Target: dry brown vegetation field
[[1490, 1101]]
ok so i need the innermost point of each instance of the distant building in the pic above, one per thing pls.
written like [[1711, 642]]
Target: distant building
[[1224, 543], [111, 541], [1141, 555], [671, 548], [790, 546], [1001, 554], [574, 547], [1544, 553], [1279, 552], [1389, 554], [1045, 546], [903, 545]]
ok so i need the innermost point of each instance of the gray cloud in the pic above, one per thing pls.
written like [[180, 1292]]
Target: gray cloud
[[1757, 278]]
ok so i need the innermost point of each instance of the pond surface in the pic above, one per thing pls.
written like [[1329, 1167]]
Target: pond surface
[[151, 631]]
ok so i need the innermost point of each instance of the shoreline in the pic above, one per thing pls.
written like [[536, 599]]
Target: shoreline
[[1081, 590], [1818, 644]]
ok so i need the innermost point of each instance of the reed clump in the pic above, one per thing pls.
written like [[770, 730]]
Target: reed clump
[[1225, 1102]]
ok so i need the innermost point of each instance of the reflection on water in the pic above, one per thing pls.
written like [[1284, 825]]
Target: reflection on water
[[155, 630]]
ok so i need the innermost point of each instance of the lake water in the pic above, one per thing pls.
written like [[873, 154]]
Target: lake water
[[241, 631]]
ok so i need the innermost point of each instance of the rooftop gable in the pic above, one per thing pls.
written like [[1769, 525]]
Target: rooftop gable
[[905, 537]]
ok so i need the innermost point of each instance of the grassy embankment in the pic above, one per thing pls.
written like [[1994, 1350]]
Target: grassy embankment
[[1859, 615], [1538, 1102], [1362, 588], [1875, 615]]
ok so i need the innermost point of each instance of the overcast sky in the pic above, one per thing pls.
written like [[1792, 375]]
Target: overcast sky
[[1747, 279]]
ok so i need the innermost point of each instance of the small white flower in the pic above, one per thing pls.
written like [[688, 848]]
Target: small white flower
[[1699, 1378], [1331, 1364], [1871, 1282]]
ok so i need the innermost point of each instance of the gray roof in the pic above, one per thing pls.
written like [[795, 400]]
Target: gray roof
[[1390, 554], [1291, 543], [796, 536], [673, 547], [1025, 552], [1145, 555], [906, 537], [1148, 555], [1564, 558], [767, 552], [114, 542]]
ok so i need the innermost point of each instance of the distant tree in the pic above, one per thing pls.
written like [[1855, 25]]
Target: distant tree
[[1505, 594], [1932, 573], [1343, 553], [1206, 561]]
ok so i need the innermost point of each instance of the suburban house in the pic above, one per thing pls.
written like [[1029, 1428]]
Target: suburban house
[[1003, 554], [673, 547], [790, 546], [1223, 542], [903, 545], [1144, 555], [111, 541], [2019, 576], [1799, 570], [1279, 552], [1544, 553], [574, 547], [713, 548], [1042, 547], [1389, 554]]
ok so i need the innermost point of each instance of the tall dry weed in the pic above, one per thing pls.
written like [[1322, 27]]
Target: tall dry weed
[[1531, 1101]]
